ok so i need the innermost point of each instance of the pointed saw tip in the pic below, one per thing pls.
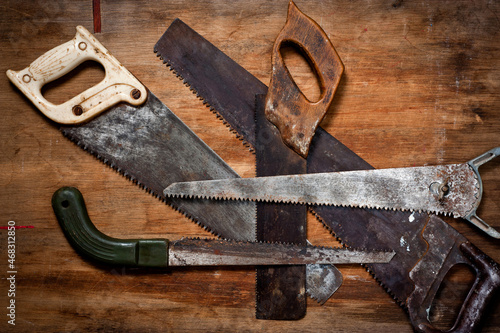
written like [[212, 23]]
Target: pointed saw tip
[[492, 233], [344, 243], [389, 255], [171, 191]]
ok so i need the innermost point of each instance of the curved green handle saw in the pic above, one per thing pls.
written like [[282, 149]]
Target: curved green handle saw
[[72, 215]]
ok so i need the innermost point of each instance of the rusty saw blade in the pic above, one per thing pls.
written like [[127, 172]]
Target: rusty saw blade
[[322, 281], [420, 265], [280, 291], [127, 127], [453, 189]]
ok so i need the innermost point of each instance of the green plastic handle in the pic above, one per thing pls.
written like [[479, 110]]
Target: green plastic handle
[[72, 215]]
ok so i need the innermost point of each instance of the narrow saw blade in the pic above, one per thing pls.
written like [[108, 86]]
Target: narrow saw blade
[[398, 188], [220, 91], [215, 252], [151, 146]]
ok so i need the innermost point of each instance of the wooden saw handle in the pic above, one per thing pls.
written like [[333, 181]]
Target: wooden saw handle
[[287, 108], [119, 85]]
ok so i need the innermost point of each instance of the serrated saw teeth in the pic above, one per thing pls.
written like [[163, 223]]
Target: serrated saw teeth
[[205, 102], [398, 189], [69, 133], [301, 202]]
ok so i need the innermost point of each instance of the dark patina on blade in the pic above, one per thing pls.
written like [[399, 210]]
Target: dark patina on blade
[[280, 291], [151, 145], [372, 229], [201, 64]]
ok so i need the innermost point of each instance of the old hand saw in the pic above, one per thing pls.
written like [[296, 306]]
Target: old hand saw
[[453, 189], [69, 208]]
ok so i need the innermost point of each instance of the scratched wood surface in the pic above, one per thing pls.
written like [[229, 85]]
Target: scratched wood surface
[[421, 86]]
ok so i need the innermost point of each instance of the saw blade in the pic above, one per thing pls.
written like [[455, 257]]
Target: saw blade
[[445, 189], [216, 252], [280, 291], [213, 84], [71, 212], [150, 145]]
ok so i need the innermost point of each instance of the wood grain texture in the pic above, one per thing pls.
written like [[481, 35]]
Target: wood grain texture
[[420, 87]]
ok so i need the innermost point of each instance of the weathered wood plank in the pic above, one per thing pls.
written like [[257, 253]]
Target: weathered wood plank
[[420, 87]]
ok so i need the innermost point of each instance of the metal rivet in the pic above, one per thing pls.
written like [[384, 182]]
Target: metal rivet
[[77, 110], [135, 93], [26, 78], [82, 46], [440, 189]]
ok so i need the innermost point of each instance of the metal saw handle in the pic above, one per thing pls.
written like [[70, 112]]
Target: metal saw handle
[[118, 85], [287, 108], [70, 210], [472, 216]]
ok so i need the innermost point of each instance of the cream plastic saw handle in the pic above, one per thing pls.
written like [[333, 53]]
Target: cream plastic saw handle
[[118, 85]]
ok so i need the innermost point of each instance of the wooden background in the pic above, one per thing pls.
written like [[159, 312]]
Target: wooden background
[[420, 87]]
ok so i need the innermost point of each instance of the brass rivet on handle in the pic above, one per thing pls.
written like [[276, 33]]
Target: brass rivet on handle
[[77, 110], [82, 45], [135, 93]]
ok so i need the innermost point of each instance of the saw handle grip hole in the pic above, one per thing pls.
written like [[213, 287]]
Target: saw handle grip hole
[[81, 56], [84, 76], [451, 295], [468, 286], [302, 70]]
